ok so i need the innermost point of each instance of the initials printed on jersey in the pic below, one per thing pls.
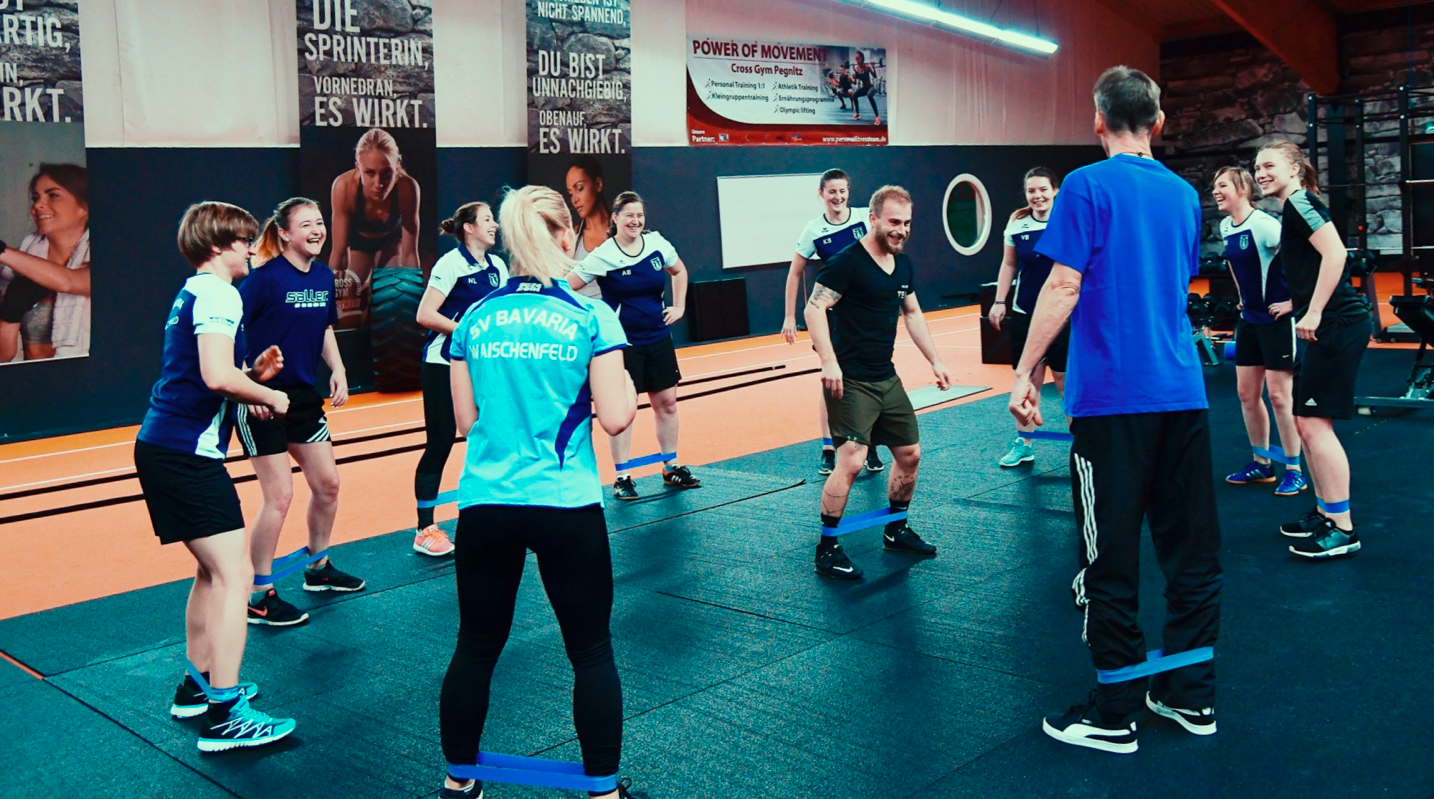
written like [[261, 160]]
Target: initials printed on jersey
[[854, 232], [537, 317], [308, 298]]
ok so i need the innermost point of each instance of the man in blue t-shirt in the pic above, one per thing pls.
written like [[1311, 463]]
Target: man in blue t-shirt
[[1125, 239]]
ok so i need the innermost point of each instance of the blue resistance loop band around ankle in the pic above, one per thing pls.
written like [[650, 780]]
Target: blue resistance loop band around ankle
[[827, 442], [199, 680], [1156, 662], [646, 460], [532, 771], [442, 499], [1333, 507], [863, 521], [1277, 454], [290, 563], [1046, 435]]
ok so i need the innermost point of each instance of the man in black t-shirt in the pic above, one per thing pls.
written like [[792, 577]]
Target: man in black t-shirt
[[867, 286]]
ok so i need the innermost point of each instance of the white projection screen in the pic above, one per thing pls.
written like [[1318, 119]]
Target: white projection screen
[[761, 216]]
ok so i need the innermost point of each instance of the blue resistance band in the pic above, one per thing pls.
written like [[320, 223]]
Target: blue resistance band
[[1333, 507], [646, 460], [1156, 662], [290, 563], [863, 521], [1277, 455], [532, 771], [442, 499], [204, 685], [827, 442], [1046, 435]]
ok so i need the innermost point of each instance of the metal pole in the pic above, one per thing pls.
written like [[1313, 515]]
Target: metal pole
[[1406, 192]]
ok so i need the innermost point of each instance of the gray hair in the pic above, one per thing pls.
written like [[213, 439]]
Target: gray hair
[[1128, 100]]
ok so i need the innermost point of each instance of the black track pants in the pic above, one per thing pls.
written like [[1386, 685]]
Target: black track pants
[[441, 429], [576, 567], [1127, 469]]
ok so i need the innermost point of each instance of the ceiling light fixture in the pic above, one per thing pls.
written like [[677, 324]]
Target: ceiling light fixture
[[948, 19]]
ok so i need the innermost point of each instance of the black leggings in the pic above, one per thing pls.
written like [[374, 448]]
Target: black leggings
[[576, 567], [865, 91], [442, 429]]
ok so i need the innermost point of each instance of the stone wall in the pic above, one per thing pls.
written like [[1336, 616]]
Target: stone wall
[[1227, 96]]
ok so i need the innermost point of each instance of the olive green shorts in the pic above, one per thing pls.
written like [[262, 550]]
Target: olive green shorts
[[872, 413]]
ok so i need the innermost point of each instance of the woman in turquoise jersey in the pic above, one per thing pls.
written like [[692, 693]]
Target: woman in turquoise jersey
[[535, 361]]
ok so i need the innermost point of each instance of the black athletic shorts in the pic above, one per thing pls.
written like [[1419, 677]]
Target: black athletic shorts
[[653, 366], [189, 497], [872, 413], [1271, 346], [305, 423], [1324, 377], [1019, 324]]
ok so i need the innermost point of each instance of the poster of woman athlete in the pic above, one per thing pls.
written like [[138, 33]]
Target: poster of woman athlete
[[378, 189]]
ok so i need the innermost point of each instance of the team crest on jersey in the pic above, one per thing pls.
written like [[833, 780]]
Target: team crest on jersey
[[493, 279], [1244, 241], [656, 262]]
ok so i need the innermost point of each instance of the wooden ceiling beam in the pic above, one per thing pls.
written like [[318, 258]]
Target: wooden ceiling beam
[[1302, 34]]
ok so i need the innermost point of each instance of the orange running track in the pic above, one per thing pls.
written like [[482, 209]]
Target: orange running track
[[83, 554]]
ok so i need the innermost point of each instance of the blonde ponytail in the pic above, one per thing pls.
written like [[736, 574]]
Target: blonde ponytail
[[531, 219], [270, 245]]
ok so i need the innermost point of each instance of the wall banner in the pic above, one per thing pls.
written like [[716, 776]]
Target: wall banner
[[752, 92], [580, 106], [368, 155], [44, 184]]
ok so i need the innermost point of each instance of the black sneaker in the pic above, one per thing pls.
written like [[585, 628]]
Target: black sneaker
[[835, 564], [275, 612], [907, 541], [190, 701], [625, 791], [1082, 725], [244, 727], [1199, 722], [873, 460], [1306, 525], [680, 477], [624, 489], [473, 791], [330, 579], [828, 462], [1328, 542]]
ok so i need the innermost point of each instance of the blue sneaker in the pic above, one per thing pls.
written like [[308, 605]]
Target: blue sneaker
[[1019, 453], [1293, 483], [244, 727], [1254, 472]]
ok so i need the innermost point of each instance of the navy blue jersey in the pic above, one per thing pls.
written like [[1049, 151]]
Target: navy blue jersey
[[1032, 268], [1252, 249], [633, 285], [290, 308], [184, 414], [824, 239], [462, 280], [1131, 227]]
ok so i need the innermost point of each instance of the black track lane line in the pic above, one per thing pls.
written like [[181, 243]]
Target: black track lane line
[[249, 478]]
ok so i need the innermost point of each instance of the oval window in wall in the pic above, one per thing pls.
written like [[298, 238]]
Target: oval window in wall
[[967, 214]]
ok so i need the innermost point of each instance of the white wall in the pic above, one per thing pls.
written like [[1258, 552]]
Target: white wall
[[222, 73]]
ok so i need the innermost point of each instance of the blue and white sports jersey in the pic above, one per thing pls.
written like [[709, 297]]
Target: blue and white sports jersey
[[824, 239], [527, 349], [462, 280], [1032, 268], [184, 414], [1252, 249], [290, 309], [633, 285]]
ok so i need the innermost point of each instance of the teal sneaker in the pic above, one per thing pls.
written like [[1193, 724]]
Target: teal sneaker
[[1328, 541], [243, 728], [1020, 453], [1293, 483]]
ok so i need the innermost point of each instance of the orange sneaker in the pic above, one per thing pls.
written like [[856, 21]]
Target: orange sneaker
[[433, 542]]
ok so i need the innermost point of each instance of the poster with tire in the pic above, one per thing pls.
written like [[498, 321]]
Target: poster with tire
[[368, 150]]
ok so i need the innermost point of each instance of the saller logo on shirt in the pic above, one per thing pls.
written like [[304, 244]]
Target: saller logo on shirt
[[308, 298]]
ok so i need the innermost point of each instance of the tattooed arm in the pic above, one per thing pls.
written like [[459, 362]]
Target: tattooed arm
[[821, 301]]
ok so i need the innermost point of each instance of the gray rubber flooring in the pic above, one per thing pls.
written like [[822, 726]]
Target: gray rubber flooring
[[746, 675]]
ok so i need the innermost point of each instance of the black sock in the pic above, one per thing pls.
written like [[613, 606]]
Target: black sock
[[828, 541], [425, 487], [897, 506]]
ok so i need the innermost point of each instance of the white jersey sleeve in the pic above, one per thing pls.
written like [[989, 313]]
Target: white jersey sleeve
[[502, 269], [595, 265], [807, 242], [218, 308], [1013, 226], [657, 242], [1267, 230], [446, 272]]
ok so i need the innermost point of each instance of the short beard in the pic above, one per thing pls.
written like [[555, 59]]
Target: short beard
[[885, 244]]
